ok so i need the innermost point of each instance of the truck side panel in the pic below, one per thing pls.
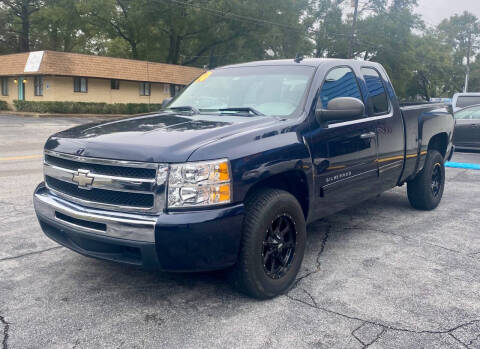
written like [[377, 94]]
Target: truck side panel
[[422, 123], [438, 126]]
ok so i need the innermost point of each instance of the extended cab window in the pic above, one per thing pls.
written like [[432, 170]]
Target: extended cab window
[[378, 103], [270, 90], [340, 82]]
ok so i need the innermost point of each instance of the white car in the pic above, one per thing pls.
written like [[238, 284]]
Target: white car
[[462, 100]]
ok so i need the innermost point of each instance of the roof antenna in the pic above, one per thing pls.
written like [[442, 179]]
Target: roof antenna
[[298, 58]]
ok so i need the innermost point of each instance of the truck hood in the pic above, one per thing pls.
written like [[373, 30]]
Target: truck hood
[[161, 137]]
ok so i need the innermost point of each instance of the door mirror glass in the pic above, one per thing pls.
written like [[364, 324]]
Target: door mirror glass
[[341, 109]]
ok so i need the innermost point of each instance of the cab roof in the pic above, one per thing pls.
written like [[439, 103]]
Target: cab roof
[[312, 62]]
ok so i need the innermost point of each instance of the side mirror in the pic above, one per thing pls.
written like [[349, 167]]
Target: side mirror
[[341, 109], [450, 109], [166, 101]]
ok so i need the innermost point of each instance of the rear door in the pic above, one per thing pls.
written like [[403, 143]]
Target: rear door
[[390, 127], [344, 153]]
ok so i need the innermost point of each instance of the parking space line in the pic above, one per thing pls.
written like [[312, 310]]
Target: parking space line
[[24, 157], [462, 165]]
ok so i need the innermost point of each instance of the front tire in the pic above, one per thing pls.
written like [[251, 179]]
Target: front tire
[[273, 244], [425, 191]]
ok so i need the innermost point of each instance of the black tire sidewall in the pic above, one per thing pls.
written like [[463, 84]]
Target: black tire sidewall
[[434, 159], [419, 189], [285, 203]]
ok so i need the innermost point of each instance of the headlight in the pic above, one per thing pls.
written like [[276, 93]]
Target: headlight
[[197, 184]]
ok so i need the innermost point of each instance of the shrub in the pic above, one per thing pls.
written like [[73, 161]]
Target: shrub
[[3, 105], [84, 107]]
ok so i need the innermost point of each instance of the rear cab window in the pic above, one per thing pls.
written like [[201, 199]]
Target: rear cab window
[[378, 101]]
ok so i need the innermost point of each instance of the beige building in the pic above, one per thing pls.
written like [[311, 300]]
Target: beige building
[[61, 76]]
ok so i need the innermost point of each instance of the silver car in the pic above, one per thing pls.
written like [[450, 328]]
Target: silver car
[[467, 128]]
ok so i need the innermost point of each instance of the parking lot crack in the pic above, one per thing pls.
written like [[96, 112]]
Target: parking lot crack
[[6, 327], [29, 254], [384, 326], [310, 296], [317, 260], [355, 336], [458, 340], [376, 338], [473, 340]]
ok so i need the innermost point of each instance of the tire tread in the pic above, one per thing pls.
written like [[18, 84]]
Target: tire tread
[[418, 189], [241, 275]]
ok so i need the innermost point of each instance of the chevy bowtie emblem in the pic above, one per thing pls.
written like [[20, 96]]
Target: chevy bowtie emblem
[[83, 178]]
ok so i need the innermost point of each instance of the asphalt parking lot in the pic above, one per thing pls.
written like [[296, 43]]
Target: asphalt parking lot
[[379, 275]]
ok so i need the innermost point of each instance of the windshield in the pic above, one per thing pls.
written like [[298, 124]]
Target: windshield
[[258, 90]]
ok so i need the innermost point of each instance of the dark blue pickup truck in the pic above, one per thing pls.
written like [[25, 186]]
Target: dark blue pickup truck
[[228, 175]]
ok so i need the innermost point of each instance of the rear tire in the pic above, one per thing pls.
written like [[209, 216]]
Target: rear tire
[[425, 191], [272, 246]]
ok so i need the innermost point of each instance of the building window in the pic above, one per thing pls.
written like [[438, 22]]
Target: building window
[[145, 89], [38, 85], [80, 85], [115, 84], [166, 88], [4, 86]]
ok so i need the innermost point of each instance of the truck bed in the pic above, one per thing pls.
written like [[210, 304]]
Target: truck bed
[[416, 120]]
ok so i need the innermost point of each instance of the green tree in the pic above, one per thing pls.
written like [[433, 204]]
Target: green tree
[[431, 67], [60, 26], [387, 37], [462, 34], [22, 10], [328, 31]]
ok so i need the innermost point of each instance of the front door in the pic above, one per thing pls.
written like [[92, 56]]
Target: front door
[[21, 89], [345, 153]]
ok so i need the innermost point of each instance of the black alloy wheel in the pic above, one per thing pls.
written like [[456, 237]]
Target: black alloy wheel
[[279, 246], [436, 179], [425, 191], [272, 246]]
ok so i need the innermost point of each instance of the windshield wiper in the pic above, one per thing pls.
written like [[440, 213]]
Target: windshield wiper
[[243, 109], [189, 108]]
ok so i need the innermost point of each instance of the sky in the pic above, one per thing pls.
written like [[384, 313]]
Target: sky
[[433, 11]]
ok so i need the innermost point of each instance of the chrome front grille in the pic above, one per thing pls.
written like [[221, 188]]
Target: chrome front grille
[[102, 183]]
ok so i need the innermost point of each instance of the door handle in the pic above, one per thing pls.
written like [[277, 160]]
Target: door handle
[[368, 135]]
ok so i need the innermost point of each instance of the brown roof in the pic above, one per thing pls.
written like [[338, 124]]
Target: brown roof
[[74, 64]]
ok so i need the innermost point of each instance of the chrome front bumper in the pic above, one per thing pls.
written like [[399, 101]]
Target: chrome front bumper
[[110, 223]]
